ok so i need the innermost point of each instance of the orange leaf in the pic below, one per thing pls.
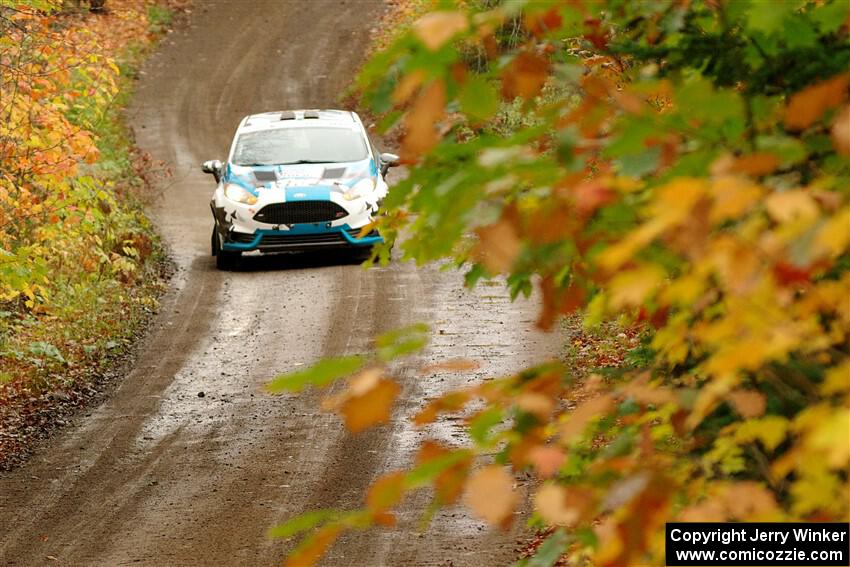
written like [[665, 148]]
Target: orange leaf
[[591, 195], [498, 246], [557, 301], [436, 28], [407, 86], [367, 401], [841, 132], [561, 506], [385, 519], [372, 408], [760, 163], [641, 391], [525, 76], [448, 485], [547, 459], [579, 418], [385, 492], [535, 403], [808, 105], [490, 494], [312, 549], [539, 23], [748, 403], [452, 401], [421, 121]]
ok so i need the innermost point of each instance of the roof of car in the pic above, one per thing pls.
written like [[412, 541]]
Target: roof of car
[[299, 119]]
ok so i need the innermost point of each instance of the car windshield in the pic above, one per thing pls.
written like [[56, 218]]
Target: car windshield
[[299, 145]]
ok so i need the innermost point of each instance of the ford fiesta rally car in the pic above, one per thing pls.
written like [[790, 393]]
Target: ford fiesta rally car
[[296, 181]]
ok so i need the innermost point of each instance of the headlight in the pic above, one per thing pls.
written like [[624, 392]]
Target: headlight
[[239, 194], [360, 189]]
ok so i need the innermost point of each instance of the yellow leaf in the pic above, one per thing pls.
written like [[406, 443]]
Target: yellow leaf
[[791, 205], [769, 430], [733, 196], [837, 379], [817, 489], [834, 237], [632, 288], [490, 494], [831, 436]]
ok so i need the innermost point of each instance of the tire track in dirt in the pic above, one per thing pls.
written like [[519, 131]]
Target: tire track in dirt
[[158, 475]]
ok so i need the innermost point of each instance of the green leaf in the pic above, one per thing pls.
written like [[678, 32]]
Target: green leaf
[[767, 17], [425, 473], [320, 374], [831, 16], [640, 164], [302, 523], [479, 428], [478, 99], [43, 349], [401, 342]]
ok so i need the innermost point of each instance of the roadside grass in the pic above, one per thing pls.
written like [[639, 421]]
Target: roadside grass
[[159, 17]]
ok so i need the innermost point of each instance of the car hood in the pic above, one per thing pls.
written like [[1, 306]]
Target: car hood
[[329, 177]]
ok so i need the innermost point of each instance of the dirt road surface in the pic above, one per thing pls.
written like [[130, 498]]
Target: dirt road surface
[[158, 475]]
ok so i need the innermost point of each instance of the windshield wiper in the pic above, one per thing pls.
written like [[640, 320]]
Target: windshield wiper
[[305, 161]]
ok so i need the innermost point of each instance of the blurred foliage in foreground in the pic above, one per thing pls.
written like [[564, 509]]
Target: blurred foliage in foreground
[[681, 166], [76, 251]]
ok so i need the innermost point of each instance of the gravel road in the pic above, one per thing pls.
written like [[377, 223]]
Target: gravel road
[[161, 475]]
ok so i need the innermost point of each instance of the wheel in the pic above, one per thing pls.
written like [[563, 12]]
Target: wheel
[[227, 260], [224, 259]]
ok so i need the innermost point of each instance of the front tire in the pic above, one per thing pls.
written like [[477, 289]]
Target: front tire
[[224, 259]]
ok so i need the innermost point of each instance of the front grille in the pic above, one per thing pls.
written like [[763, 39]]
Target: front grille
[[241, 237], [284, 240], [300, 212]]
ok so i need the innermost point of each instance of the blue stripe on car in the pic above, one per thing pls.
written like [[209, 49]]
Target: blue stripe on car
[[308, 193]]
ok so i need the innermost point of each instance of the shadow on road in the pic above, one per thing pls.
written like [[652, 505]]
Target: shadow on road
[[299, 261]]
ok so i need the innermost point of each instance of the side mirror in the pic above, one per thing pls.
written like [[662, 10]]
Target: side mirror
[[213, 167], [388, 161]]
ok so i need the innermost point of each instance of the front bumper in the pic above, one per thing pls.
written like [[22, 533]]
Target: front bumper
[[299, 239]]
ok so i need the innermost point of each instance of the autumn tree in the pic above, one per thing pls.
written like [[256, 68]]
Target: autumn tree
[[680, 167], [75, 246]]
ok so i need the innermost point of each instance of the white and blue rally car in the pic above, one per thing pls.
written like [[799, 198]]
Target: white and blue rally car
[[297, 180]]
